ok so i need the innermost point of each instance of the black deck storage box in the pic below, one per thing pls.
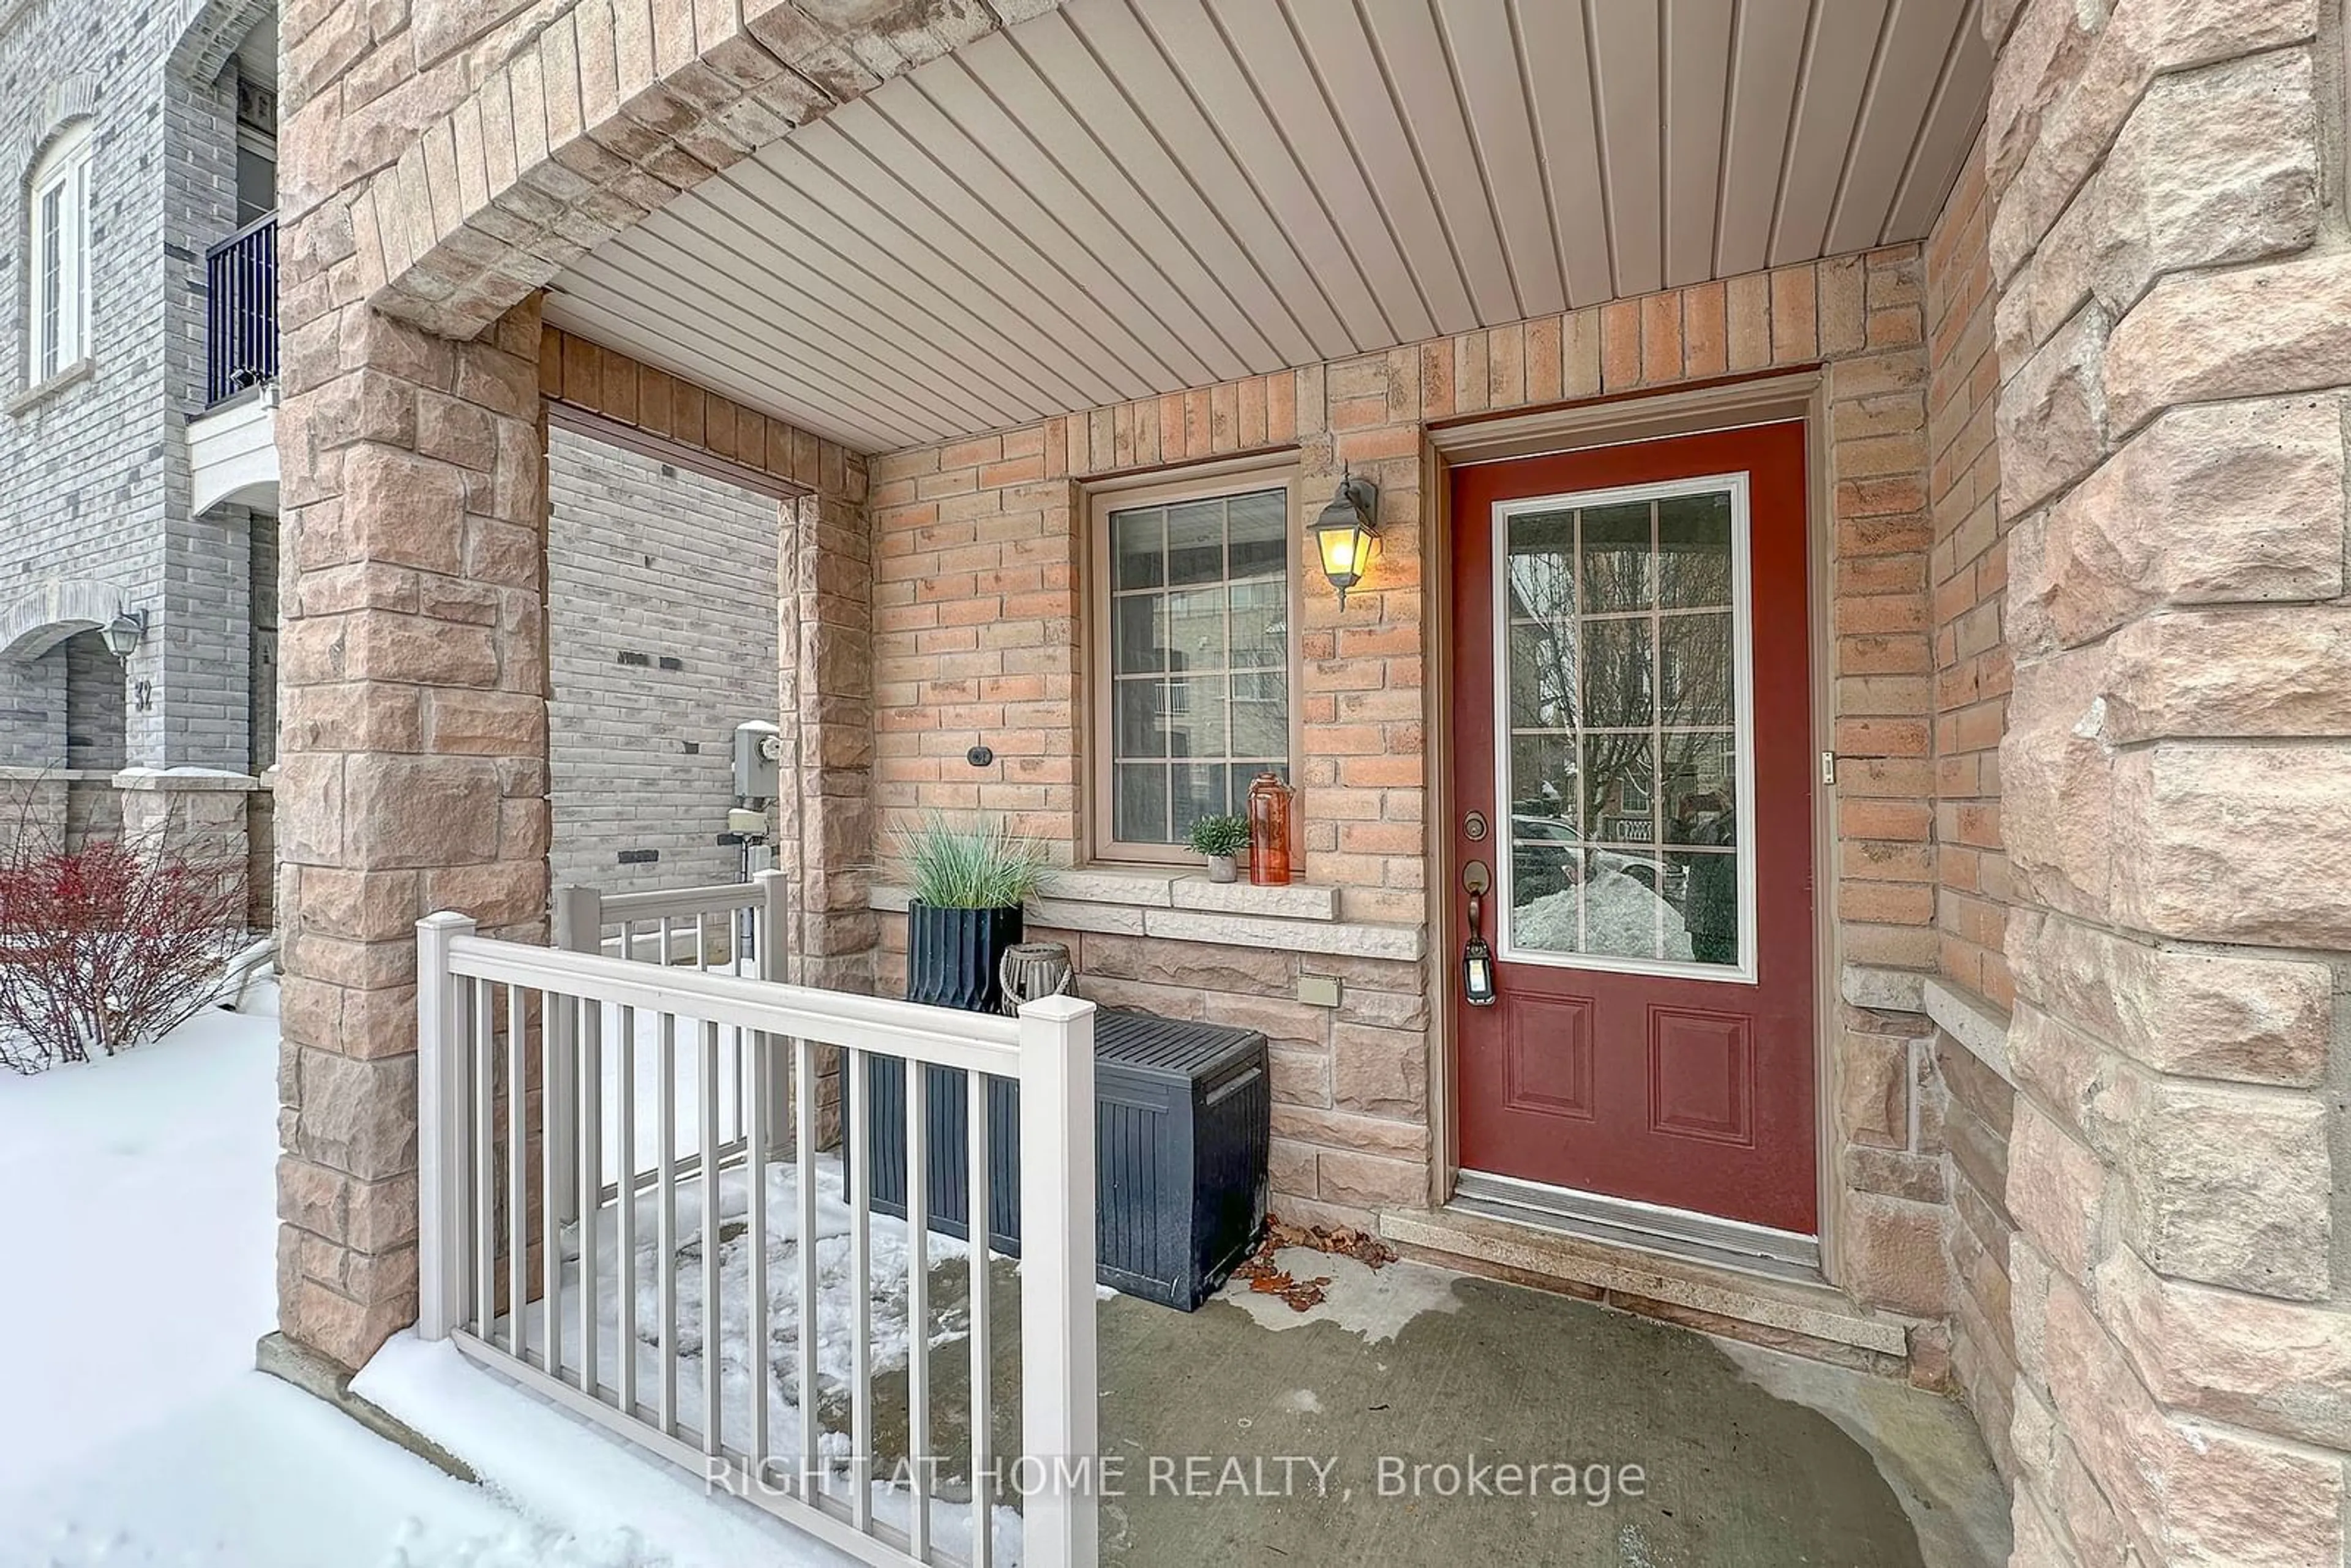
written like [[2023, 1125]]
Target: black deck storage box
[[1183, 1116]]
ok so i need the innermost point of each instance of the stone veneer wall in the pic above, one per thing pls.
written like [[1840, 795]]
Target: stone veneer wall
[[1978, 1107], [2168, 249], [439, 163], [978, 622]]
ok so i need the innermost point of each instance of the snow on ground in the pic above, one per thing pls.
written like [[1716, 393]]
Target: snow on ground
[[140, 1227], [139, 1232], [139, 1235], [424, 1384], [888, 1260]]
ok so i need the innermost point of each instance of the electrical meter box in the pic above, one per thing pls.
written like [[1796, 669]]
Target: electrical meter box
[[758, 749]]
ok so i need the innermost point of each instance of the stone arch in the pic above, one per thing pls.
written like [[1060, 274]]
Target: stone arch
[[55, 609]]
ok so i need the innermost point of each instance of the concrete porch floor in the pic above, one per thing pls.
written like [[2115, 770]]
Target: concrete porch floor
[[1751, 1457]]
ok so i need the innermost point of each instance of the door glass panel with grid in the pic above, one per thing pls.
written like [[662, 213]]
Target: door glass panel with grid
[[1621, 678]]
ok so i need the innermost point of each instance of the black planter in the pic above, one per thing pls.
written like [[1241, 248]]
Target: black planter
[[952, 954]]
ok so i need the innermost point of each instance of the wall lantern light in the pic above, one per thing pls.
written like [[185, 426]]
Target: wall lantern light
[[123, 633], [1345, 533]]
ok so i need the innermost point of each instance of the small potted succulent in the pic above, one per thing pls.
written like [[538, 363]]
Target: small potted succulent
[[1221, 839], [968, 884]]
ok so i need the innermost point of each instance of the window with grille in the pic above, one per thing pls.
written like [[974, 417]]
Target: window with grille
[[1194, 612], [58, 318]]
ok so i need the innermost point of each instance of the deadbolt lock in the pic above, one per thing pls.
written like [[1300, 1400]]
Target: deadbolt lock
[[1473, 827]]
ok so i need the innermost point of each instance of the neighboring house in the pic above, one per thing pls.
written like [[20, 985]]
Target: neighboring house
[[139, 149], [1948, 397], [141, 486]]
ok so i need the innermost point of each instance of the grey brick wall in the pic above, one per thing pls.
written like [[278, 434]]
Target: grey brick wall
[[662, 627], [33, 712], [261, 530], [94, 704], [204, 699], [94, 476]]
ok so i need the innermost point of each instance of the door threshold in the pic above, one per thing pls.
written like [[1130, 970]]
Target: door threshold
[[1675, 1233]]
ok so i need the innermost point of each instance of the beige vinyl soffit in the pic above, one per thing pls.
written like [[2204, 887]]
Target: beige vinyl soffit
[[1128, 197]]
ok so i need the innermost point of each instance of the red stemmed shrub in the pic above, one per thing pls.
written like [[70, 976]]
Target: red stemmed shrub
[[106, 948]]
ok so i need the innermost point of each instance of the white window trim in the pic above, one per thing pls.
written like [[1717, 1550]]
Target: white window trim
[[1160, 488], [63, 170], [1742, 614]]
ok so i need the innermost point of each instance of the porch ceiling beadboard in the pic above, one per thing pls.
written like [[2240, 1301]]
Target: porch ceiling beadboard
[[1121, 198]]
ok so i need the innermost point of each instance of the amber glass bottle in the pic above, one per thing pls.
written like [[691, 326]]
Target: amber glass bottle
[[1268, 817]]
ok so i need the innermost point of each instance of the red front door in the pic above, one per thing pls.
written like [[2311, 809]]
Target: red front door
[[1632, 748]]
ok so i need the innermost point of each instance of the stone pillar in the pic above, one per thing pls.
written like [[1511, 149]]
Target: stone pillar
[[2174, 336], [412, 771], [32, 810], [199, 817], [826, 644]]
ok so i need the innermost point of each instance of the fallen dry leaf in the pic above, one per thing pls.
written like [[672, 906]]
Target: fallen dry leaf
[[1267, 1280], [1300, 1294]]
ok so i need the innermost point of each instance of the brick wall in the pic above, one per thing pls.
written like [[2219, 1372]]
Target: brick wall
[[660, 586], [1970, 575], [202, 707], [94, 704], [823, 600], [1968, 570], [261, 532], [979, 637]]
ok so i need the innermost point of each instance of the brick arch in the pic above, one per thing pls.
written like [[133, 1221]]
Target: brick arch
[[586, 127], [209, 32], [55, 609], [67, 99]]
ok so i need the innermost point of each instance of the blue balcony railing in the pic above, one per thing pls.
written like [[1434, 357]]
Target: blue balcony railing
[[241, 311]]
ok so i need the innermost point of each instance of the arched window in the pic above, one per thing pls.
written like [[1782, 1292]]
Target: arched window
[[58, 323]]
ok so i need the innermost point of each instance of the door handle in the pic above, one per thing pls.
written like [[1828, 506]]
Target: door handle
[[1476, 956]]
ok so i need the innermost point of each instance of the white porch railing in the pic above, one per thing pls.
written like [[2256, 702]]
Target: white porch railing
[[577, 1265], [730, 928]]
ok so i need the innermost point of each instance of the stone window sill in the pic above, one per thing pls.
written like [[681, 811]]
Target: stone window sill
[[80, 371], [1186, 907]]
